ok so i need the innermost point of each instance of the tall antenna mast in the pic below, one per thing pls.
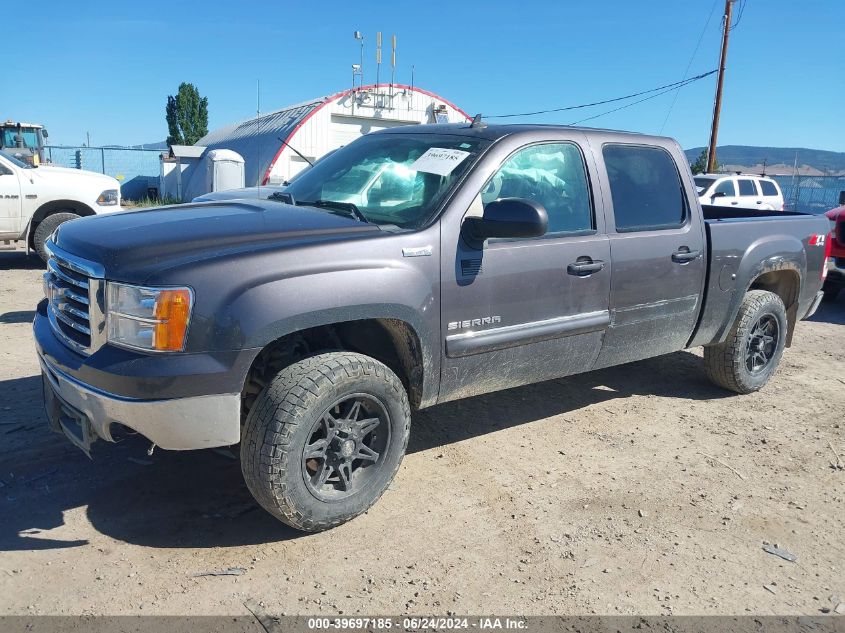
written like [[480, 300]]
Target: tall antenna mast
[[717, 106], [378, 56], [360, 70], [393, 62]]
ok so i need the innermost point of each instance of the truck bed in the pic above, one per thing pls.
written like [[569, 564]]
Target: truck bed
[[743, 243], [740, 213]]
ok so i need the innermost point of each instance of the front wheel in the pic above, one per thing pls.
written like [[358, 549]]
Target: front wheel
[[325, 438], [45, 229], [752, 351]]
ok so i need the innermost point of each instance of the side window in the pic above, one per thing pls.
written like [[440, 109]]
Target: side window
[[727, 187], [768, 188], [552, 174], [746, 187], [645, 187]]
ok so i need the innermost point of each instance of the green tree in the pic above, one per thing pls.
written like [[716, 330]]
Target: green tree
[[700, 164], [187, 116]]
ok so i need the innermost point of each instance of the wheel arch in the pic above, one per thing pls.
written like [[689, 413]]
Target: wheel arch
[[51, 208], [392, 341], [786, 284], [777, 264]]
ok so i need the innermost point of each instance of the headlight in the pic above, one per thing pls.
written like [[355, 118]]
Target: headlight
[[154, 319], [109, 198]]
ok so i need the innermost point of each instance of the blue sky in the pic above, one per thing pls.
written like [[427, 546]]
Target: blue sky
[[107, 68]]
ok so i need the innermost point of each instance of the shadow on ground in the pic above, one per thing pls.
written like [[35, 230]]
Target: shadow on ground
[[831, 311], [198, 498], [18, 260], [20, 316]]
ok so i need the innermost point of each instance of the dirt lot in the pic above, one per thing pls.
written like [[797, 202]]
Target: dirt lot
[[639, 489]]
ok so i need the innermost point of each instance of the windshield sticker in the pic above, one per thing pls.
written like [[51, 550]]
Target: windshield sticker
[[439, 161]]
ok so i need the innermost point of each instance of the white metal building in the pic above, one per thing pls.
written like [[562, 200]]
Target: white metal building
[[317, 127]]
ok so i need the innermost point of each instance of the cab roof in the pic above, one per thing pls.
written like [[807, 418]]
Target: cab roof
[[495, 131]]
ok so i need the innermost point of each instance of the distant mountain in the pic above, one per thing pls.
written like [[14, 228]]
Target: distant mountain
[[778, 160], [159, 145]]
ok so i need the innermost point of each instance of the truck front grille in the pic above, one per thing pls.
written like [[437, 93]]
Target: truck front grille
[[76, 303]]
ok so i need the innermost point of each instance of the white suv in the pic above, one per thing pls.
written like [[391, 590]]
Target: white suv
[[741, 190]]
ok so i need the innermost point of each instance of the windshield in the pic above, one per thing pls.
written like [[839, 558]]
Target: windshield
[[16, 162], [26, 137], [398, 179], [701, 184]]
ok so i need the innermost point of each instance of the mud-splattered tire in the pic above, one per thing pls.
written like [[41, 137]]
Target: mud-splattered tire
[[311, 406], [45, 229], [753, 349]]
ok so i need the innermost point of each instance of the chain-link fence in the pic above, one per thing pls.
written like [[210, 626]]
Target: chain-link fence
[[137, 170], [811, 194]]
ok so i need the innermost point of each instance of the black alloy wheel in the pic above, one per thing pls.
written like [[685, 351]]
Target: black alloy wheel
[[762, 344], [345, 447]]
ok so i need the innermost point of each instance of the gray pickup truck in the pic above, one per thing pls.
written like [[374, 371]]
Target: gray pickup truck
[[412, 267]]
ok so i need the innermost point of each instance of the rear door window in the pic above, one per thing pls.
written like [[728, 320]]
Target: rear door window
[[726, 187], [645, 187], [746, 187], [768, 188]]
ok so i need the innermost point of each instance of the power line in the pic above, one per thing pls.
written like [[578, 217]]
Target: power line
[[689, 64], [628, 105], [670, 87]]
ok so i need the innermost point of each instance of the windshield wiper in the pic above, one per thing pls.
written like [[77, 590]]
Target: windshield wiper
[[282, 196], [348, 207]]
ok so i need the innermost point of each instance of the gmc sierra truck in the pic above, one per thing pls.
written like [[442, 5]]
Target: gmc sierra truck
[[412, 267]]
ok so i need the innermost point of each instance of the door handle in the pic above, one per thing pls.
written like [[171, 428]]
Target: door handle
[[585, 267], [683, 255], [759, 202], [734, 203]]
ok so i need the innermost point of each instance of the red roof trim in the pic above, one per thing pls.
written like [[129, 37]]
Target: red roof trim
[[340, 95]]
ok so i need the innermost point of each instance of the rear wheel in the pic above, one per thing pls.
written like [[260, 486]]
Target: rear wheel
[[753, 349], [45, 228], [325, 439]]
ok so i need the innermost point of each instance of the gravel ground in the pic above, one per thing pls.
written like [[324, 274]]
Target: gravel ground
[[638, 489]]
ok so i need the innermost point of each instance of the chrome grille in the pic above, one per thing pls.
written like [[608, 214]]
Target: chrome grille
[[74, 288]]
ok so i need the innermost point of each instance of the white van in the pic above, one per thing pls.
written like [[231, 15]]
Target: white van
[[740, 190]]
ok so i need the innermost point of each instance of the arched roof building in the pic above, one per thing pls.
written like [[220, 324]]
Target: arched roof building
[[316, 127]]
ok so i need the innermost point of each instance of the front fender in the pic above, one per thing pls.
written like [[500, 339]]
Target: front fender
[[252, 301]]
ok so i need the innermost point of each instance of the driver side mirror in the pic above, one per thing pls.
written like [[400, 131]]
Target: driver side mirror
[[509, 217], [718, 194]]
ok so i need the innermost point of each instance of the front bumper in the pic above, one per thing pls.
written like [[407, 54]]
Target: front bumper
[[177, 401], [84, 414]]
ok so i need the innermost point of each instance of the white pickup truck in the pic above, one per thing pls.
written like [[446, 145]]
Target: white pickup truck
[[35, 200]]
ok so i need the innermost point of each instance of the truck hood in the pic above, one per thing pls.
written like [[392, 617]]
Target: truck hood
[[132, 246], [52, 174]]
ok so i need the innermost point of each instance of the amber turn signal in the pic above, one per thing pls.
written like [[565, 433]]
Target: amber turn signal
[[172, 311]]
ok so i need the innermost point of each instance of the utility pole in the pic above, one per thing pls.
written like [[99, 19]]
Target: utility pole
[[717, 106]]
